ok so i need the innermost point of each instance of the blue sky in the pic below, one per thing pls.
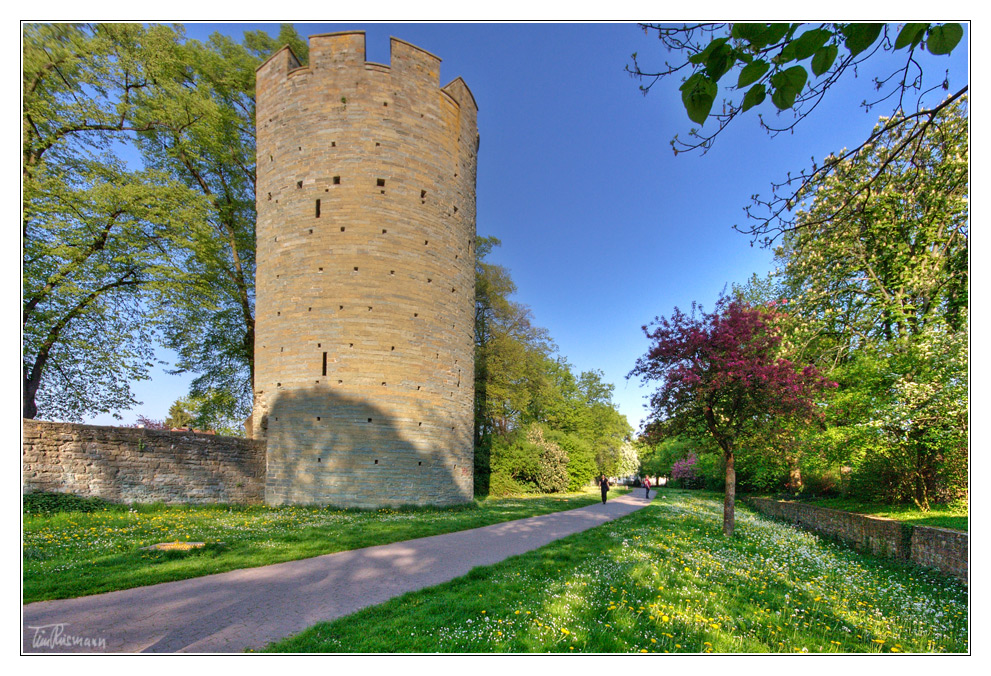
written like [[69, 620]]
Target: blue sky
[[602, 226]]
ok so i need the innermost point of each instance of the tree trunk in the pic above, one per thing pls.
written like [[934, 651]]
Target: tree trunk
[[729, 500], [794, 475]]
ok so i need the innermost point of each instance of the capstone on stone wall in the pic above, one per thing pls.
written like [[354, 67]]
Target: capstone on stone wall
[[938, 548], [123, 464], [364, 353]]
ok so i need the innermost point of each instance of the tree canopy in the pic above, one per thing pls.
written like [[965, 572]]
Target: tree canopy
[[721, 374], [533, 415], [138, 213], [100, 238], [792, 67]]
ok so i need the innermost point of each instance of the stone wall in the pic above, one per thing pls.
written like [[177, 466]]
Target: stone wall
[[138, 465], [939, 548], [364, 323]]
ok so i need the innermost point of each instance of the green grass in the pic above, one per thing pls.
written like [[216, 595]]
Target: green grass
[[953, 516], [664, 579], [76, 553]]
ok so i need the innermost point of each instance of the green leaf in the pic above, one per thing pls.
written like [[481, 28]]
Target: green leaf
[[824, 59], [720, 61], [942, 39], [754, 96], [773, 33], [806, 45], [788, 85], [860, 36], [698, 94], [751, 73], [751, 32], [704, 55], [911, 34]]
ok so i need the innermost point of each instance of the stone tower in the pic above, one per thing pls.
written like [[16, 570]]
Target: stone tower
[[364, 350]]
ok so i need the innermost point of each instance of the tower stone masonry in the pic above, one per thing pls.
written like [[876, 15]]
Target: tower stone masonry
[[364, 346]]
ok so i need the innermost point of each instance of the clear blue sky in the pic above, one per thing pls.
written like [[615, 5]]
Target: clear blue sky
[[602, 227]]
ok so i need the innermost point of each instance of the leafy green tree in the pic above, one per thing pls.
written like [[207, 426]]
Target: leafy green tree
[[170, 247], [208, 145], [520, 382], [511, 353], [203, 413], [182, 413], [658, 457], [100, 240], [792, 67], [880, 296], [582, 469]]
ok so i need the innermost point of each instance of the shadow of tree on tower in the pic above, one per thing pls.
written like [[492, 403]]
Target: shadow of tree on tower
[[328, 448]]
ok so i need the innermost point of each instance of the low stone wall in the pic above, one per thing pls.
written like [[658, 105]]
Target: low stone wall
[[138, 465], [939, 548]]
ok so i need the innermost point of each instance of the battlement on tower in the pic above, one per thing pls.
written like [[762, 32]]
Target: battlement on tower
[[346, 50]]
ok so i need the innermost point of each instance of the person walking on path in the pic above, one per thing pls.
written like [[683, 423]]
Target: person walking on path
[[646, 485], [604, 487]]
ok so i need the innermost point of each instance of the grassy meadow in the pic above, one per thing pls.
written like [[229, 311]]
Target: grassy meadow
[[97, 547], [664, 579]]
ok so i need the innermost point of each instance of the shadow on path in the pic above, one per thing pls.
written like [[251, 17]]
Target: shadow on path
[[251, 607]]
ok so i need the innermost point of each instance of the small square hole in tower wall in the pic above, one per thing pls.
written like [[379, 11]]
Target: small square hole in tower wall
[[380, 182], [337, 180]]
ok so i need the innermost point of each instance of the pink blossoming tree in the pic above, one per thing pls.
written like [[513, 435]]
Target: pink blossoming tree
[[720, 374]]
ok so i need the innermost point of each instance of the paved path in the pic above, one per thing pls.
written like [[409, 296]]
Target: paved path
[[251, 607]]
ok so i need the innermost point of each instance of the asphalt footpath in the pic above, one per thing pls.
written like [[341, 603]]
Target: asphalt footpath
[[251, 607]]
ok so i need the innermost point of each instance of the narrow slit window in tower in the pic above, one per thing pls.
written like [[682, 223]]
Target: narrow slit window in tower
[[317, 211], [324, 363]]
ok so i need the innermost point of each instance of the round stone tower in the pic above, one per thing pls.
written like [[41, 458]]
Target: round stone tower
[[364, 350]]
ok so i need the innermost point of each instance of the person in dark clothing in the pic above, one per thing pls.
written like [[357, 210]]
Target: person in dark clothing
[[604, 487]]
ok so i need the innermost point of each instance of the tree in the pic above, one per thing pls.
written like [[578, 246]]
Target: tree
[[720, 375], [182, 414], [879, 297], [117, 258], [511, 353], [520, 383], [773, 61], [209, 146], [100, 239]]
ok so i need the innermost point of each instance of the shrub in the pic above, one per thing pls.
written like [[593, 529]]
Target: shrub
[[822, 483], [581, 458], [53, 503], [686, 472], [502, 483]]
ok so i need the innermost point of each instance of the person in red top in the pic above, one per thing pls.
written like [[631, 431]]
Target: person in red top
[[646, 485]]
